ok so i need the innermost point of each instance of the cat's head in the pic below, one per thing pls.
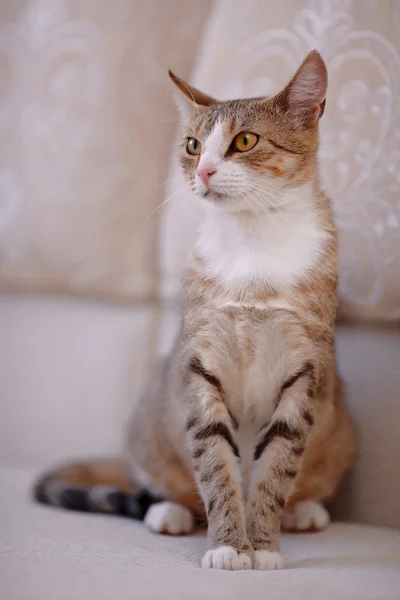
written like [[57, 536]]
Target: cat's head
[[241, 154]]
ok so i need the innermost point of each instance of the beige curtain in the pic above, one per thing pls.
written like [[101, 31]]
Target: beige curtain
[[87, 130], [87, 126]]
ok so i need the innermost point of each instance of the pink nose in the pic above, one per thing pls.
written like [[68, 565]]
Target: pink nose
[[205, 173]]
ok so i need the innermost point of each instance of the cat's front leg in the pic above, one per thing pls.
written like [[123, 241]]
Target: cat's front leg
[[211, 435], [277, 457]]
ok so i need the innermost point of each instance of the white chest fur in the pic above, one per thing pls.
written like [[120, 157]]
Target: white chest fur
[[276, 248]]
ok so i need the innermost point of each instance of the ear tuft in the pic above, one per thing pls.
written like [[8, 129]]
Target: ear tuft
[[305, 93], [184, 106]]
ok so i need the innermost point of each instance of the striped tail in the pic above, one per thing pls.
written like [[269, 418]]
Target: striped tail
[[101, 487]]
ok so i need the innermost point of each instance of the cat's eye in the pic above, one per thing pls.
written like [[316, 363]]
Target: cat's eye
[[193, 146], [245, 141]]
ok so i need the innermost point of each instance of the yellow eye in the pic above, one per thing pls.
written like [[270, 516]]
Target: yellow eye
[[193, 146], [245, 141]]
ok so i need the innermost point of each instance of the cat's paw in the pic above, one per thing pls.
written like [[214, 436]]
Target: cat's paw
[[226, 557], [265, 560], [306, 516], [169, 518]]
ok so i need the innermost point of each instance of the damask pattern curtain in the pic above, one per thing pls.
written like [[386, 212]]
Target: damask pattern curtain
[[87, 125], [87, 129]]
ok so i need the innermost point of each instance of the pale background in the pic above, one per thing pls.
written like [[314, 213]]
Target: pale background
[[90, 281]]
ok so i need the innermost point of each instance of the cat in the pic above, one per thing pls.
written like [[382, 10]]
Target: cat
[[244, 423]]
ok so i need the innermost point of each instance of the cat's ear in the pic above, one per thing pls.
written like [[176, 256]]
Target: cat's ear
[[189, 98], [304, 95]]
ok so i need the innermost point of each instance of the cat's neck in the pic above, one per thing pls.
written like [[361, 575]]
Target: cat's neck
[[275, 248]]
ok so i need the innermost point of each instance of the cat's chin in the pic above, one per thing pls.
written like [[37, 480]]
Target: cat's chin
[[223, 201], [210, 196]]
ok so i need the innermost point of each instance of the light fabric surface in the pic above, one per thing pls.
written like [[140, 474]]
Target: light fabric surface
[[369, 361], [50, 554], [69, 374], [250, 49], [86, 128]]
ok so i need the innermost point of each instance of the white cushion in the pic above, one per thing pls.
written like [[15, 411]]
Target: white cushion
[[69, 374], [49, 554], [369, 360]]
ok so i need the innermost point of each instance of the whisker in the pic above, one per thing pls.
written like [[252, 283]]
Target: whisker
[[267, 189], [259, 193], [259, 189], [169, 121], [159, 207], [193, 98], [249, 200], [156, 187], [264, 185], [264, 208]]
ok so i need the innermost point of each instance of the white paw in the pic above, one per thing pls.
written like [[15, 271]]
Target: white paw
[[306, 516], [226, 557], [265, 560], [170, 518]]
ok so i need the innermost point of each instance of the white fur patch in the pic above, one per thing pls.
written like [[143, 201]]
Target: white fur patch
[[305, 516], [215, 145], [275, 249], [264, 560], [212, 158], [246, 437], [170, 518], [226, 557]]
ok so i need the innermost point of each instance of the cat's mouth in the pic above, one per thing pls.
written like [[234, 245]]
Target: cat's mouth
[[214, 195]]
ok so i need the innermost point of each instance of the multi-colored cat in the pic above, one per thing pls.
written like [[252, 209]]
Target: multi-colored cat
[[245, 422]]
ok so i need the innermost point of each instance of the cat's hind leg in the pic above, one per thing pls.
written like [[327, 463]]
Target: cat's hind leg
[[307, 516], [169, 518]]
